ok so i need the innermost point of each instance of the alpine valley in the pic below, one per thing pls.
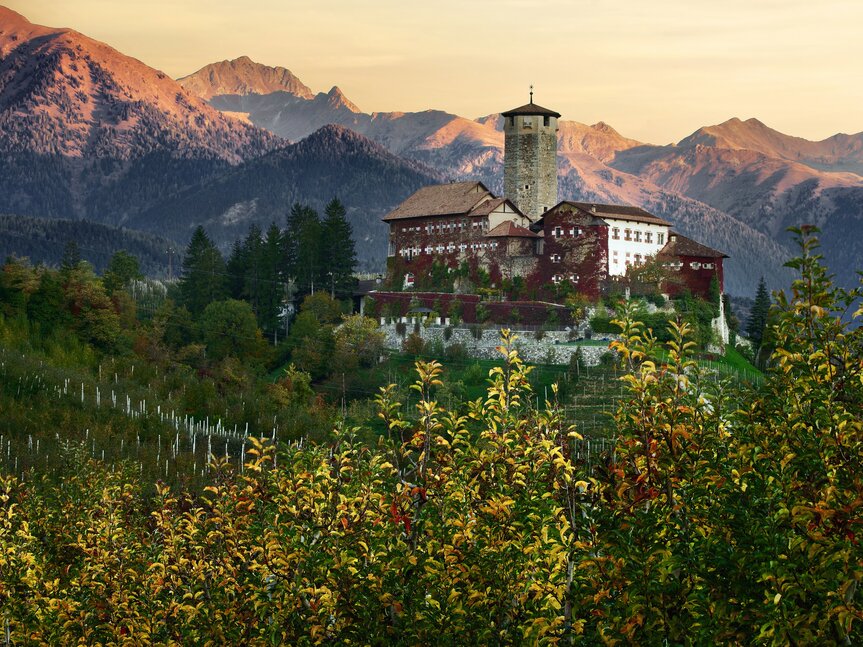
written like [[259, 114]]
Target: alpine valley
[[88, 133]]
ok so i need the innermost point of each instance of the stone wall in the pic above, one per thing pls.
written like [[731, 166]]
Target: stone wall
[[548, 350]]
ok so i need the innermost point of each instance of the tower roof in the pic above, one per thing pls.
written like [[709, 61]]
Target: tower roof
[[531, 109]]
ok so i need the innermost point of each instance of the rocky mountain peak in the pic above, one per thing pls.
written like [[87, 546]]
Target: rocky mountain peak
[[243, 76], [336, 99]]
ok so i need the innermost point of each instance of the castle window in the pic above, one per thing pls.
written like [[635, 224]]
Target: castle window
[[556, 279], [572, 232], [573, 278], [637, 234], [615, 233], [546, 121], [627, 234], [428, 250], [527, 122], [392, 249], [557, 232], [660, 239], [695, 265], [512, 121], [462, 247], [638, 258], [708, 266], [648, 237], [429, 229], [555, 258]]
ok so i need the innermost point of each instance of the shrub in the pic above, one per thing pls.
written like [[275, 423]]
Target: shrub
[[656, 299], [601, 324], [475, 374], [413, 344], [482, 313], [456, 352], [456, 308], [447, 333], [401, 328]]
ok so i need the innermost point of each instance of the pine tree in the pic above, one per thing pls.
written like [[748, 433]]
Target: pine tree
[[252, 280], [758, 317], [339, 245], [236, 267], [302, 249], [71, 256], [272, 286], [203, 278]]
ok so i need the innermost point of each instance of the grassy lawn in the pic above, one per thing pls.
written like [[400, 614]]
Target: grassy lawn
[[732, 364]]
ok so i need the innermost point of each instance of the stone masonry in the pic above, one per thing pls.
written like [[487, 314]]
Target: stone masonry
[[530, 162], [551, 349]]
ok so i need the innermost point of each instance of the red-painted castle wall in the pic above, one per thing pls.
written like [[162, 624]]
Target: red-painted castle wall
[[584, 256], [696, 281]]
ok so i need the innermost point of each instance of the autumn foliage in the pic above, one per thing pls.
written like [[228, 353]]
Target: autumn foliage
[[722, 516]]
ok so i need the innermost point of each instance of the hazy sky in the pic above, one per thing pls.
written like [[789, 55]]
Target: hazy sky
[[655, 70]]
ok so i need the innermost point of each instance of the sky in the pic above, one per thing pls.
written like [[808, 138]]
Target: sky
[[655, 70]]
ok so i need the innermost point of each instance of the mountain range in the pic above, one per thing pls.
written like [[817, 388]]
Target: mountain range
[[87, 132]]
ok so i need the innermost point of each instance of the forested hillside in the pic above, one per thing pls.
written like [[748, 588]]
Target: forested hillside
[[333, 162], [44, 240]]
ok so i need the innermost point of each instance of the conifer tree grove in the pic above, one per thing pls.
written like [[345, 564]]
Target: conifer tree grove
[[302, 245], [204, 273]]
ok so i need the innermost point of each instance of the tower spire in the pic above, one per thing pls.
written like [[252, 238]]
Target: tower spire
[[531, 92]]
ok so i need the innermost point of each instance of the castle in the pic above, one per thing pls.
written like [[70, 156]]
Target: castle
[[531, 236]]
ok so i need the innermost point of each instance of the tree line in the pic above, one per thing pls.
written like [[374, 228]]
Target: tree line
[[269, 269]]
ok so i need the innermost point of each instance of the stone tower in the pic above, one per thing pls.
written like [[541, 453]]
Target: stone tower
[[530, 158]]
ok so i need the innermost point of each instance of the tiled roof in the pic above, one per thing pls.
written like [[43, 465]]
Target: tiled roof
[[581, 216], [509, 229], [531, 109], [456, 198], [620, 212], [488, 206], [679, 245]]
